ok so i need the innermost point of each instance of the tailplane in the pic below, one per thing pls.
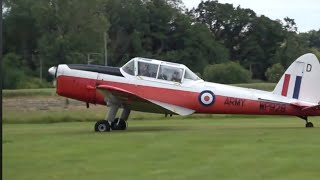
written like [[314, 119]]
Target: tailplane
[[301, 81]]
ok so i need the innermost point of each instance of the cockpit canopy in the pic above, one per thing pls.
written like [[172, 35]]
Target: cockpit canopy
[[156, 69]]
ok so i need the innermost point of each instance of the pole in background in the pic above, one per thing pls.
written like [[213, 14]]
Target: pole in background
[[1, 75], [40, 69], [105, 49]]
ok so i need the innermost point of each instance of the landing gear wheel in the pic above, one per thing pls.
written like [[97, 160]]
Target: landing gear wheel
[[118, 124], [102, 126], [309, 124]]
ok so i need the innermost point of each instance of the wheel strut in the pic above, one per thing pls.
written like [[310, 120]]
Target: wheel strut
[[125, 114], [308, 124], [112, 113]]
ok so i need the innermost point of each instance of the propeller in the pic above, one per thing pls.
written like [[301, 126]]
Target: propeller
[[53, 71]]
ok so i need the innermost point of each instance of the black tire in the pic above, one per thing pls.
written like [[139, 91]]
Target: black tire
[[102, 126], [309, 124], [121, 126]]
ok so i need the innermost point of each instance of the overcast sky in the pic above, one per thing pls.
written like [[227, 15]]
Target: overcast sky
[[306, 13]]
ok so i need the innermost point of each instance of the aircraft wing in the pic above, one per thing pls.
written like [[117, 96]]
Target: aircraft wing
[[121, 96], [176, 109]]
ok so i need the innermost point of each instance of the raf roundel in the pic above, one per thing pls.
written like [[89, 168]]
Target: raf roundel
[[206, 98]]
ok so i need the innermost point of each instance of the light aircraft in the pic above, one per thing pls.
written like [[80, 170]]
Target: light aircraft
[[155, 86]]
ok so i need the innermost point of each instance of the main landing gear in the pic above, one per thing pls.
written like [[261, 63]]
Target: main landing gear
[[111, 122], [308, 124]]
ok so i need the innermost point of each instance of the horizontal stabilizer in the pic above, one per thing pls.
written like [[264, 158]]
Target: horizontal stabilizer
[[303, 106], [312, 108]]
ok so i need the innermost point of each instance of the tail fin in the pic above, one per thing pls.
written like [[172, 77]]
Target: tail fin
[[301, 80]]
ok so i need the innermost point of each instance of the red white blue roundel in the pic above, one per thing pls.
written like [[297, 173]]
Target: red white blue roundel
[[206, 98]]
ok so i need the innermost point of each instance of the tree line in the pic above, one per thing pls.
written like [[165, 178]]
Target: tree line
[[40, 34]]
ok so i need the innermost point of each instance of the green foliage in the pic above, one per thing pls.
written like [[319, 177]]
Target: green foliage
[[227, 73], [56, 32], [13, 74], [274, 73], [252, 40], [70, 30], [34, 83], [292, 48], [316, 52], [194, 46], [16, 75], [312, 38], [60, 31]]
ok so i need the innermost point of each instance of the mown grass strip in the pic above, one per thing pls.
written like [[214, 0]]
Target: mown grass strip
[[9, 93]]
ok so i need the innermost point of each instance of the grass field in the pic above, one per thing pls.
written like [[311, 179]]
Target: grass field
[[58, 142], [217, 148]]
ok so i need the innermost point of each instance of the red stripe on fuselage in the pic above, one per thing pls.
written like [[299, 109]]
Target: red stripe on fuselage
[[188, 99], [285, 85]]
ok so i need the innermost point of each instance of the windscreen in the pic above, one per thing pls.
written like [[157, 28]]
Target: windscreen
[[170, 73]]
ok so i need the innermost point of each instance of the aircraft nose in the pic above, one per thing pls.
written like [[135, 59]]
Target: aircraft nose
[[52, 70]]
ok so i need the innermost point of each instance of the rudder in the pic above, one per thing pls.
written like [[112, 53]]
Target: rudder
[[301, 80]]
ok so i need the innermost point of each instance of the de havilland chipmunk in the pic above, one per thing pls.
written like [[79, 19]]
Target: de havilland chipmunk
[[155, 86]]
